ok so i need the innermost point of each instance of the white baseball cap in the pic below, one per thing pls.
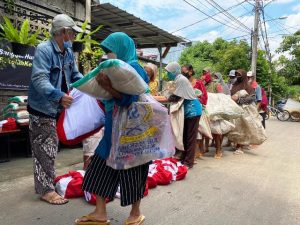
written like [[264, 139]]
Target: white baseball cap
[[63, 20], [249, 74], [231, 73]]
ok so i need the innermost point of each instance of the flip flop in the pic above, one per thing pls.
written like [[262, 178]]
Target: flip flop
[[218, 156], [91, 220], [54, 199], [139, 221]]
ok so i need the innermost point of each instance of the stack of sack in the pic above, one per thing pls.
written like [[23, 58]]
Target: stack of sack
[[161, 172], [8, 124], [17, 109]]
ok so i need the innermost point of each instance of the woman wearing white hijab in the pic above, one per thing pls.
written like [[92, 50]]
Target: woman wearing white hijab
[[192, 111]]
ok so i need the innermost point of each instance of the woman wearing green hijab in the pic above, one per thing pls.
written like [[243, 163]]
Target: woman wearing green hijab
[[100, 178]]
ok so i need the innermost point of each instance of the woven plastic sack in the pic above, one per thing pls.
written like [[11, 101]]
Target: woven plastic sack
[[22, 114], [248, 128], [84, 118], [22, 100], [168, 88], [14, 107], [222, 106], [221, 126], [123, 77], [177, 122], [141, 133], [204, 125]]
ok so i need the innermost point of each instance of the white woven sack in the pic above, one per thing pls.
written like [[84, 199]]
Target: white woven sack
[[123, 77]]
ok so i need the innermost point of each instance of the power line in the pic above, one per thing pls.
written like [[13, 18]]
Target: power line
[[220, 8], [235, 28], [278, 31], [208, 17], [241, 17]]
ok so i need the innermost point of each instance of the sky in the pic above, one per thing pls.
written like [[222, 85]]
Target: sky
[[173, 15]]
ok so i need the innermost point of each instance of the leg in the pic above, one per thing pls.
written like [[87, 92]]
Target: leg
[[218, 142], [99, 214], [263, 115], [135, 212], [239, 149], [132, 187], [190, 140], [44, 144], [199, 149], [206, 145], [89, 146]]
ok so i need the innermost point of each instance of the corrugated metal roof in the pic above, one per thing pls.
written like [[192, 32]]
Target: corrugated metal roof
[[144, 34]]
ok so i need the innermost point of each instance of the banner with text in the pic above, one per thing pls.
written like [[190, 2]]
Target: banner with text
[[15, 70]]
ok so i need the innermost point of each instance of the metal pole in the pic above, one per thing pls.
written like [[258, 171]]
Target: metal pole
[[255, 39], [160, 68], [88, 9]]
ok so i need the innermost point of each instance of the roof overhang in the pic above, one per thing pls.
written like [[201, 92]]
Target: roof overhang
[[143, 33]]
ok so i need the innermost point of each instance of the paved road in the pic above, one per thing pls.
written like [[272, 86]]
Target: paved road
[[261, 187]]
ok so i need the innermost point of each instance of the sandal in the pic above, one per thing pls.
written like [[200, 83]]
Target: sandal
[[90, 220], [54, 199], [139, 221], [238, 152], [218, 155]]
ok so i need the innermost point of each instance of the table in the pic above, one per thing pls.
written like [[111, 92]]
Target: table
[[6, 135]]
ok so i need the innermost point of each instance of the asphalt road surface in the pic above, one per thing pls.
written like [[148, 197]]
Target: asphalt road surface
[[261, 187]]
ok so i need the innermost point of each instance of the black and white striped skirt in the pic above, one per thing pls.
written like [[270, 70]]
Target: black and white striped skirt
[[104, 181]]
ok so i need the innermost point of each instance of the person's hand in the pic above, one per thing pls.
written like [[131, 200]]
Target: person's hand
[[66, 101], [235, 98], [103, 81]]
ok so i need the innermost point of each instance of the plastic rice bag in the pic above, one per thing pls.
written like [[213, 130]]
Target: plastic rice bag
[[141, 133], [123, 77], [84, 118]]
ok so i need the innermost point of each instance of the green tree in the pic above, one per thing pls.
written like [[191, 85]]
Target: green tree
[[223, 56], [220, 55], [290, 67]]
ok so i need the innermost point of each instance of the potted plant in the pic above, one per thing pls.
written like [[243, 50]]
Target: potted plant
[[83, 39], [20, 39]]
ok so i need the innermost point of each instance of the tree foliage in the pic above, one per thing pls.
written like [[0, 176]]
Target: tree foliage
[[290, 67], [223, 56], [220, 55]]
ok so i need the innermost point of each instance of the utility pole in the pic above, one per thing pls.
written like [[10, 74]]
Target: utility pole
[[88, 17], [255, 39]]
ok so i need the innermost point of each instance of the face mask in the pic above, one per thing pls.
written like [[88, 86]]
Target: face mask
[[68, 44], [171, 76], [232, 81], [187, 75], [239, 79]]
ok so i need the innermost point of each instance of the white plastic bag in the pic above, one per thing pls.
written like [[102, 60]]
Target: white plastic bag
[[84, 116], [123, 77], [141, 133]]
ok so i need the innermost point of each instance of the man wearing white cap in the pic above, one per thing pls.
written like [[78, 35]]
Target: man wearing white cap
[[54, 69], [232, 79]]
